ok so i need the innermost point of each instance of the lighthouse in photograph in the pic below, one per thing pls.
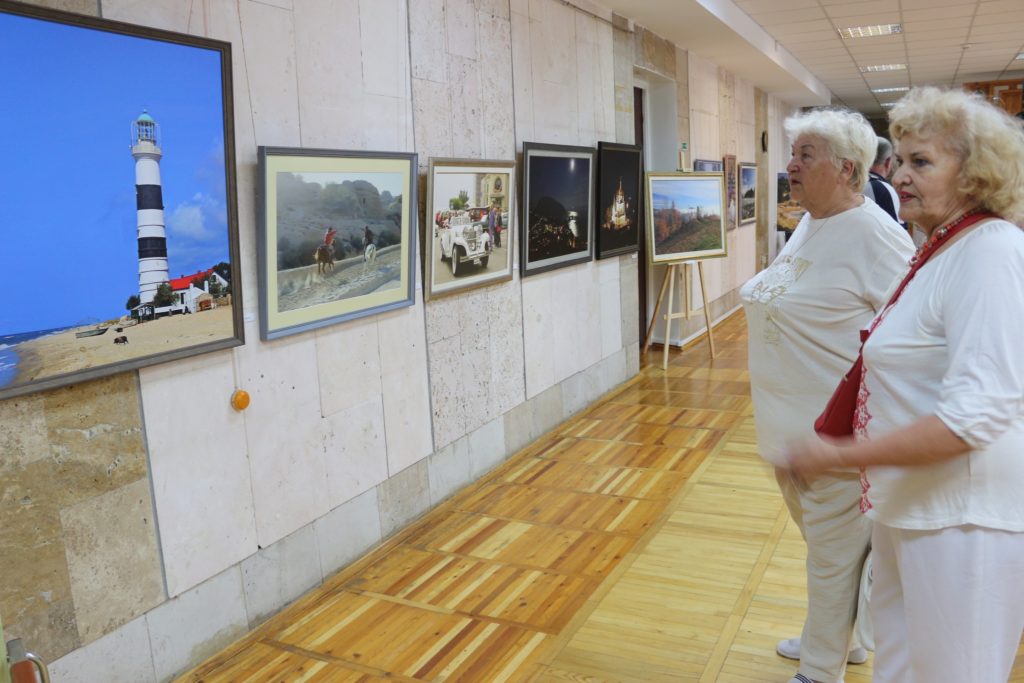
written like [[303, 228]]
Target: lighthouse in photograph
[[153, 270]]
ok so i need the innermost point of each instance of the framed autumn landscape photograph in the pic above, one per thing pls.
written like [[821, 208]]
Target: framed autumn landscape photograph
[[685, 216]]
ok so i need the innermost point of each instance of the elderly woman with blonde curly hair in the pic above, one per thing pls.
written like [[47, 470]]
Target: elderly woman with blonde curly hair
[[939, 426], [804, 313]]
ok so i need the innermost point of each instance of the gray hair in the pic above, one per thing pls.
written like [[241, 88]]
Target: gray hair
[[847, 133], [884, 151]]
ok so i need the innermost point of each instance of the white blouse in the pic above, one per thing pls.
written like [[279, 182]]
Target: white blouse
[[805, 312], [953, 346]]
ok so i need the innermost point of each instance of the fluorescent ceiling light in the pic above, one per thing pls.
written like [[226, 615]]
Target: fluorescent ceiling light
[[887, 67], [867, 31], [888, 104], [1020, 56], [899, 88]]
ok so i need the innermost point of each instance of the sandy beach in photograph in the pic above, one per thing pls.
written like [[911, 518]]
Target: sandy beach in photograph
[[64, 352]]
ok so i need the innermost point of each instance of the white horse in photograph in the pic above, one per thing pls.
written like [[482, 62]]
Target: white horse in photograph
[[369, 257]]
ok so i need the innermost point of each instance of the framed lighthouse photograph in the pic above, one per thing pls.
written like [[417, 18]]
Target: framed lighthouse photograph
[[119, 224]]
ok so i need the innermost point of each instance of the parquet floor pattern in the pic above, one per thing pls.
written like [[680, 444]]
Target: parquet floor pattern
[[643, 540]]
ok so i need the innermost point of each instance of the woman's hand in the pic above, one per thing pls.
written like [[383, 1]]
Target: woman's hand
[[808, 458]]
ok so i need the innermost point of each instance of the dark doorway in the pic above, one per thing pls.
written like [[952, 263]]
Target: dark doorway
[[638, 138]]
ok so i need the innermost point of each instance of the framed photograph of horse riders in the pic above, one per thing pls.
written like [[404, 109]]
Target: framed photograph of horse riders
[[685, 216], [467, 235], [558, 201], [746, 191], [114, 256], [619, 183], [336, 236]]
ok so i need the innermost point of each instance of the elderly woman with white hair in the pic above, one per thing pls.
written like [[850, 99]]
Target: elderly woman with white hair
[[939, 421], [804, 313]]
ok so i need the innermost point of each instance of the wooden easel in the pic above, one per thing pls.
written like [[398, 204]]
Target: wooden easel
[[682, 270]]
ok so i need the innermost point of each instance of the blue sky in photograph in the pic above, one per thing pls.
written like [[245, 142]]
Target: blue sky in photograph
[[68, 216], [747, 176], [688, 193]]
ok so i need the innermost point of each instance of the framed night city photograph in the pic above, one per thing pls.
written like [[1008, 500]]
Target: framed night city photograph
[[558, 200], [467, 235], [336, 236], [685, 216], [618, 199], [119, 221]]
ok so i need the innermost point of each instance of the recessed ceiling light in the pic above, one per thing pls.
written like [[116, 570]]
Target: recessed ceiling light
[[898, 88], [882, 67], [886, 105], [868, 31], [1020, 56]]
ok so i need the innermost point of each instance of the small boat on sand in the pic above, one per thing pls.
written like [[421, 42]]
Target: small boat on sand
[[91, 333]]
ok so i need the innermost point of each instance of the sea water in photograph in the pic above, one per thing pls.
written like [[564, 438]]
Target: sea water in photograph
[[687, 215], [114, 222], [345, 228]]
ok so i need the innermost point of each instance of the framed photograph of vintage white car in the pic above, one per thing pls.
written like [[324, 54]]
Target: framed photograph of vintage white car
[[685, 216], [467, 235], [119, 223], [558, 200], [618, 199], [336, 236], [746, 190]]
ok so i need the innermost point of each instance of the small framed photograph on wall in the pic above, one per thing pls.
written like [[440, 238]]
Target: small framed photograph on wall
[[685, 216], [468, 240], [731, 182], [558, 201], [336, 236], [707, 166], [747, 193], [618, 199]]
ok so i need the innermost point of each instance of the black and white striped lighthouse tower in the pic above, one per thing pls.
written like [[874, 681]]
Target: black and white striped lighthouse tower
[[153, 270]]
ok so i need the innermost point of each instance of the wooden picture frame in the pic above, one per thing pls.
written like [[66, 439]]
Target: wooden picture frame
[[619, 192], [115, 256], [746, 193], [685, 216], [310, 277], [558, 199], [731, 184], [468, 235]]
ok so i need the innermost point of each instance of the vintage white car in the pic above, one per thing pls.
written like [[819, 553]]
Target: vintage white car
[[464, 242]]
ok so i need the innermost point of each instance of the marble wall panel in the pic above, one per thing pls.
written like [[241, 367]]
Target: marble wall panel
[[127, 648], [466, 106], [508, 382], [588, 91], [406, 392], [475, 364], [496, 86], [432, 116], [554, 24], [348, 365], [629, 304], [442, 318], [611, 312], [486, 448], [356, 456], [522, 75], [197, 624], [460, 28], [87, 7], [280, 573], [329, 74], [426, 24], [113, 558], [588, 315], [448, 470], [348, 531], [165, 14], [447, 394], [201, 482], [403, 498], [538, 333], [383, 29], [499, 9], [654, 53], [285, 434], [272, 75], [546, 410], [518, 427], [387, 123], [565, 343]]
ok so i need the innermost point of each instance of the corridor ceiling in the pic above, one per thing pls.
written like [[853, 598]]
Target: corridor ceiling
[[793, 48]]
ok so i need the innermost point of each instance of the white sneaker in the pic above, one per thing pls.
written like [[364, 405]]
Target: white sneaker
[[790, 649]]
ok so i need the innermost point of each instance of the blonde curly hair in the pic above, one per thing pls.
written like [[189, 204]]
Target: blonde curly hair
[[988, 141]]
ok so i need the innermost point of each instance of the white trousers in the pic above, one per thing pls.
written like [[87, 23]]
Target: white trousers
[[948, 605], [838, 537]]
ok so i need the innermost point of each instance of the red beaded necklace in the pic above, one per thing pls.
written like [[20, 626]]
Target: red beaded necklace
[[944, 232]]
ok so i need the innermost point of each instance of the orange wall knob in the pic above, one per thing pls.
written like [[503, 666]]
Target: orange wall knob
[[240, 399]]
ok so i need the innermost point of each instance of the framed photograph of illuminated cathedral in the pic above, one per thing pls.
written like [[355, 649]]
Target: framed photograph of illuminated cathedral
[[468, 235], [119, 225], [619, 190]]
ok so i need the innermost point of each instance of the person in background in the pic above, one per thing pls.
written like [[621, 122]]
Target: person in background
[[939, 427], [804, 313], [878, 188]]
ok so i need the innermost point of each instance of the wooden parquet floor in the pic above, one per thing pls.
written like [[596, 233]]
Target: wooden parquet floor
[[643, 540]]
